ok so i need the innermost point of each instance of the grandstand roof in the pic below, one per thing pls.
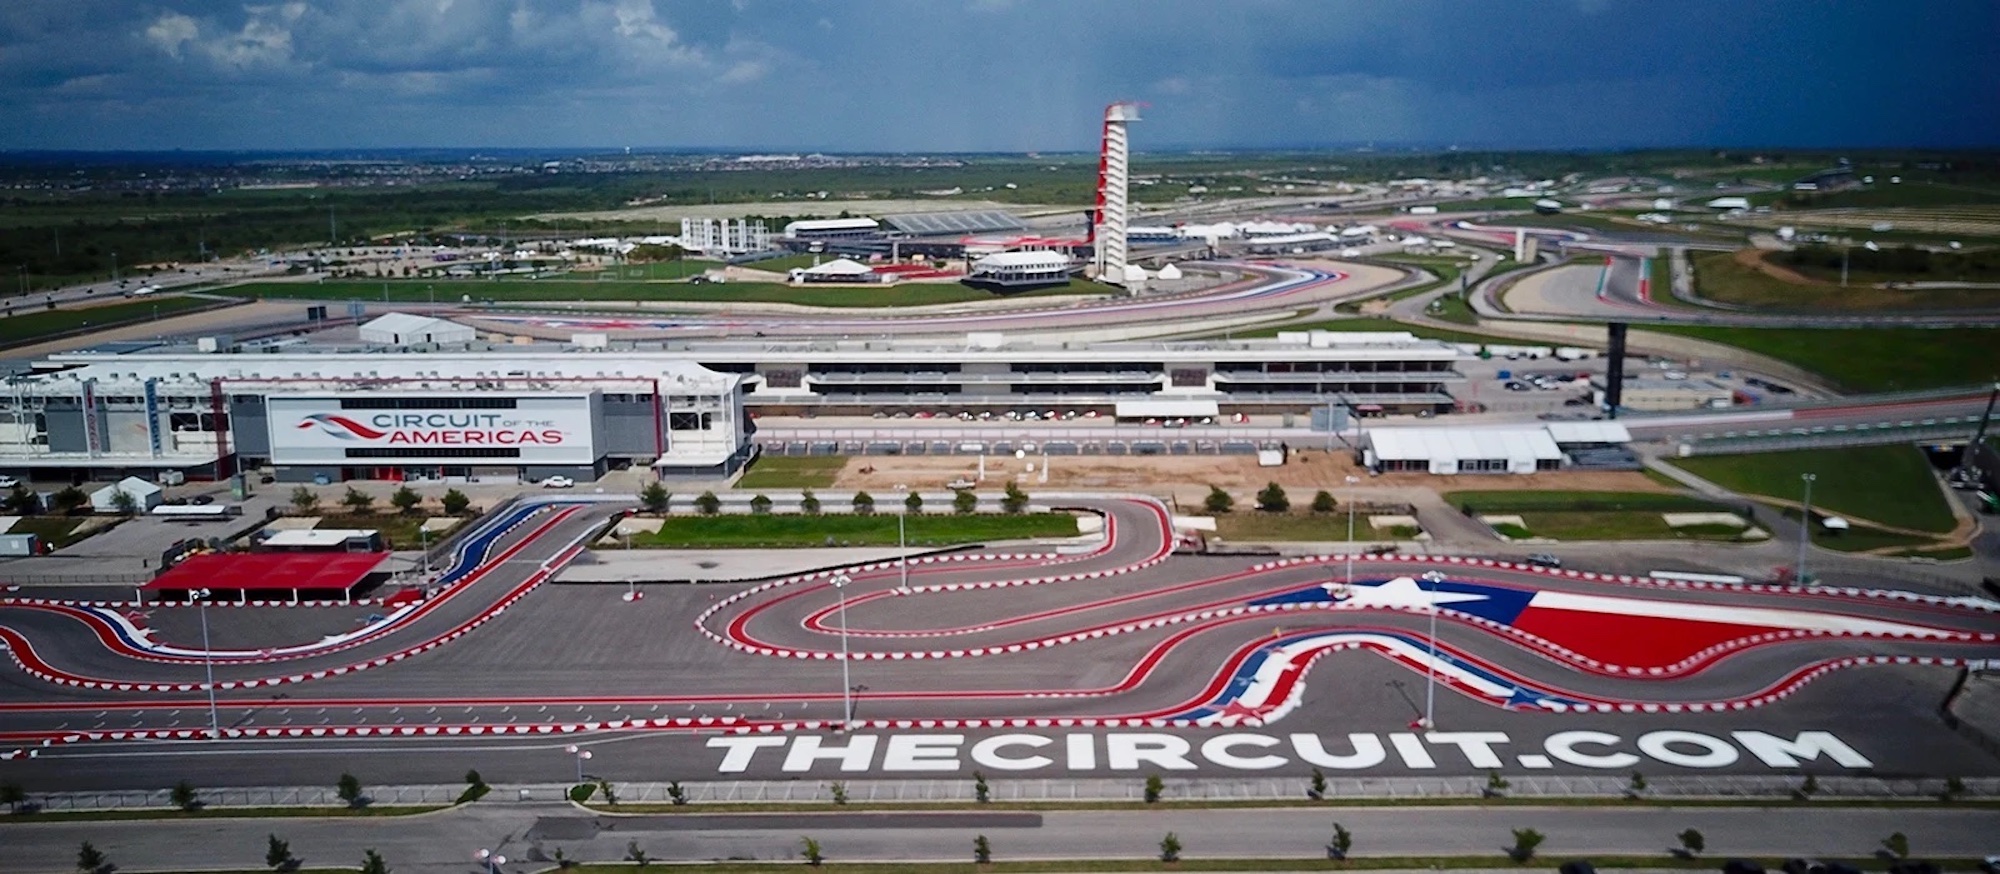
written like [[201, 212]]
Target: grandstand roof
[[929, 224], [1458, 444], [833, 224], [1023, 260], [1589, 432], [303, 571]]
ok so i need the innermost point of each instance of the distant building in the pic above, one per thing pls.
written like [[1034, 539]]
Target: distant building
[[405, 329], [1020, 271], [832, 229], [724, 236]]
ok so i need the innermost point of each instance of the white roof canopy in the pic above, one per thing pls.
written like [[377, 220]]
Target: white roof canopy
[[1157, 409], [1589, 432], [838, 267], [1462, 444]]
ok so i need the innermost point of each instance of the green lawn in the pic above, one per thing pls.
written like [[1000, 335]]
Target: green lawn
[[1889, 485], [795, 530], [1489, 502], [26, 326], [455, 291], [655, 270], [1453, 308], [789, 262], [1869, 359], [57, 531], [792, 472], [1255, 526], [1719, 277]]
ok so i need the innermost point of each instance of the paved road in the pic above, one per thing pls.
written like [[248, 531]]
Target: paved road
[[446, 842]]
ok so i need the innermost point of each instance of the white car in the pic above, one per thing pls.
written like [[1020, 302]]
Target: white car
[[8, 482], [558, 482]]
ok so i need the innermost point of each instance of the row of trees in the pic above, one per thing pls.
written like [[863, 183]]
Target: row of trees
[[360, 503], [655, 498], [1272, 499], [20, 501], [277, 854]]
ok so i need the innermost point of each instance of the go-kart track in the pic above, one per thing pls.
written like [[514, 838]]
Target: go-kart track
[[1101, 657]]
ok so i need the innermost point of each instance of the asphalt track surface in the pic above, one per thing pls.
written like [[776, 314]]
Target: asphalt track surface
[[1119, 635]]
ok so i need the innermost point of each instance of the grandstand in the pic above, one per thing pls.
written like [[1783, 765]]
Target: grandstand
[[1019, 271], [938, 224]]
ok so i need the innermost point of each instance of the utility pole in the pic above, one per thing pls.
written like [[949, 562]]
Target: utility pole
[[1967, 474], [1805, 529]]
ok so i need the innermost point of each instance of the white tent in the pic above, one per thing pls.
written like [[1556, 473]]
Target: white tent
[[1169, 272], [404, 329], [145, 495], [1462, 450], [838, 267]]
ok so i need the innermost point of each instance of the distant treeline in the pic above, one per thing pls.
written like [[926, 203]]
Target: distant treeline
[[1909, 262]]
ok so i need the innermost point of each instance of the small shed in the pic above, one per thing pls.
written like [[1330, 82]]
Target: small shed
[[405, 329], [145, 495]]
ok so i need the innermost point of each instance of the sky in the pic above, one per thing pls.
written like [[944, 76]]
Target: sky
[[996, 75]]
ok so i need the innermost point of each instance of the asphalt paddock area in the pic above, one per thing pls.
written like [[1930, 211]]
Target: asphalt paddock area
[[1100, 661]]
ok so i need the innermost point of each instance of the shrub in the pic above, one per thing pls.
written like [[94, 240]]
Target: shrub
[[405, 500], [581, 792], [184, 796], [1170, 848], [708, 504], [864, 504], [1693, 842], [371, 863], [760, 504], [655, 497], [357, 501], [1526, 840], [12, 795], [1343, 840], [914, 504], [964, 501], [348, 787], [91, 860], [636, 854], [839, 791], [455, 503], [1323, 502], [1898, 845], [1272, 499], [808, 502], [1015, 500], [277, 853], [813, 855], [303, 499], [982, 850], [1218, 501], [1318, 785], [1496, 785], [980, 791], [677, 794], [1154, 786]]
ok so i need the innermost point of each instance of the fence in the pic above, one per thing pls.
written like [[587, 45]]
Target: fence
[[726, 792]]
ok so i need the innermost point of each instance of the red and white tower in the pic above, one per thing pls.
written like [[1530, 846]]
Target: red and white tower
[[1113, 165]]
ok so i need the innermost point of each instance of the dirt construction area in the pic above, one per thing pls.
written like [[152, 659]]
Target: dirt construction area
[[1186, 478]]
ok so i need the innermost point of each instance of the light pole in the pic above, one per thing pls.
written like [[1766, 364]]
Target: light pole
[[1351, 481], [1805, 529], [490, 860], [903, 544], [1430, 682], [840, 582], [582, 755], [207, 662]]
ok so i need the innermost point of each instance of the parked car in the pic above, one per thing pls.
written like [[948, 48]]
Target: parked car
[[558, 482]]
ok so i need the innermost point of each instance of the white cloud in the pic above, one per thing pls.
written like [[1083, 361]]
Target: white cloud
[[744, 71], [171, 31]]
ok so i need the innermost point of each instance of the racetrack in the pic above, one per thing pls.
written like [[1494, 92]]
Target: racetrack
[[1113, 636]]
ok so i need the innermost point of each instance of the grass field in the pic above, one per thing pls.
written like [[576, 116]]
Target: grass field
[[795, 530], [907, 294], [1595, 515], [1453, 308], [1719, 277], [1620, 525], [1888, 485], [787, 472], [1869, 359], [57, 531], [1254, 526], [399, 530], [1515, 501], [30, 326]]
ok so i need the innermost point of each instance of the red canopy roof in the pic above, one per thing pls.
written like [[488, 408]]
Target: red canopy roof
[[305, 571]]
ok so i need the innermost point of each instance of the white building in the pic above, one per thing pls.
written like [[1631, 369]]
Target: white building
[[724, 236], [404, 329], [145, 496]]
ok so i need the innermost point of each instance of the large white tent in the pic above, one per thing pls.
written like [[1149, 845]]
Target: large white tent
[[145, 495], [1461, 450]]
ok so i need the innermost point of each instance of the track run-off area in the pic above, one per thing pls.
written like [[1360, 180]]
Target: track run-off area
[[1110, 652]]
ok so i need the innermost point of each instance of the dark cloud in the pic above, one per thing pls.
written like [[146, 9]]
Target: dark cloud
[[924, 75]]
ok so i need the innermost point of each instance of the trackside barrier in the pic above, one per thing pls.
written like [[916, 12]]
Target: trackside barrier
[[1004, 789]]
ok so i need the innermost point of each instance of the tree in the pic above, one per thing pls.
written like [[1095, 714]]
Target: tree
[[19, 501], [982, 850], [637, 854], [12, 795], [1898, 845], [184, 796], [1170, 848], [980, 791], [808, 502], [1014, 501], [838, 790], [1272, 499], [655, 497], [1637, 785], [357, 501], [913, 504], [303, 499], [963, 502], [604, 789], [813, 856], [1154, 786], [1323, 502], [1318, 786], [675, 792], [1343, 840], [371, 863], [69, 500], [1525, 842], [124, 502], [760, 504], [277, 853], [708, 504], [864, 504], [406, 500], [1218, 501], [1807, 789], [1496, 785], [349, 790], [1693, 842], [455, 502], [1953, 787], [91, 860]]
